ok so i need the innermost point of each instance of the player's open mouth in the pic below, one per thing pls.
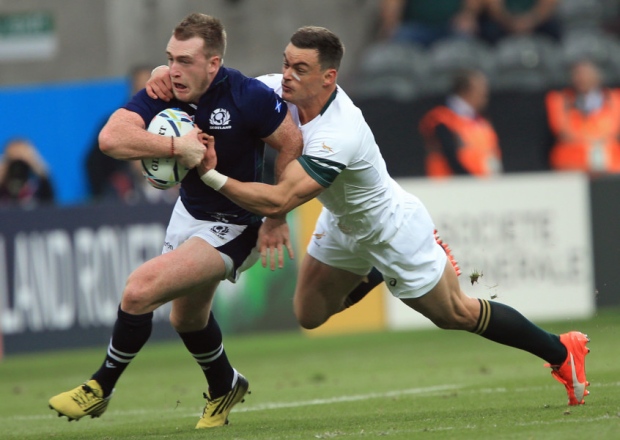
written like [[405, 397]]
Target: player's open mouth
[[180, 87]]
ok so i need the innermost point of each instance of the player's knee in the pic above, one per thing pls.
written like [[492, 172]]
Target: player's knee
[[135, 298], [184, 324], [311, 310], [304, 319], [177, 324], [308, 320], [309, 323]]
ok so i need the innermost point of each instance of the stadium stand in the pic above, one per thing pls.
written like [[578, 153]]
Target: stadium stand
[[448, 56], [527, 62], [581, 14], [599, 47], [517, 62], [392, 70]]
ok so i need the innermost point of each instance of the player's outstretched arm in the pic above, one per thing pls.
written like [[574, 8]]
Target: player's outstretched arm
[[295, 187]]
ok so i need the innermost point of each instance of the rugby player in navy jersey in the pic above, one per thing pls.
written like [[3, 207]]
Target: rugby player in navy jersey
[[209, 238]]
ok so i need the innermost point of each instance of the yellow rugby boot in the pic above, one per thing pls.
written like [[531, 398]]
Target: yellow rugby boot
[[216, 410], [85, 400]]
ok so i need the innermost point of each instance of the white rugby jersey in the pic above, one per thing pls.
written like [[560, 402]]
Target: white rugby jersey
[[341, 154]]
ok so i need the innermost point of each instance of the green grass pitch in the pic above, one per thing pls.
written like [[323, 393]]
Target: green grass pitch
[[429, 384]]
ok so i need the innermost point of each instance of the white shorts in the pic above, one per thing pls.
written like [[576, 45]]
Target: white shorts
[[411, 263], [236, 243]]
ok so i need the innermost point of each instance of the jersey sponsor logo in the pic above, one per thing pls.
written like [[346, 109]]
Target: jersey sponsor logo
[[220, 230], [220, 119], [168, 246]]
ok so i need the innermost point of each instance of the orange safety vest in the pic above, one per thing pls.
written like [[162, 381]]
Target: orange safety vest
[[585, 142], [478, 152]]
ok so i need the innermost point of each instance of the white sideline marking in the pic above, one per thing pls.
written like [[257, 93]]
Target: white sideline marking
[[264, 406], [355, 398], [425, 392]]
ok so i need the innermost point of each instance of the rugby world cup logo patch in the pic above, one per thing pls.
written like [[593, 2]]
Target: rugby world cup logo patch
[[220, 119]]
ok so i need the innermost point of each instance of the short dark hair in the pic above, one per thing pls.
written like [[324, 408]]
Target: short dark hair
[[209, 28], [462, 79], [324, 41]]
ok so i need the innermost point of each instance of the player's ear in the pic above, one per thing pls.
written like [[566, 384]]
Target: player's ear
[[329, 77], [215, 62]]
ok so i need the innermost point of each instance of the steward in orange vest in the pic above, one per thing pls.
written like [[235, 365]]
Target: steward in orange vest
[[457, 139], [585, 121]]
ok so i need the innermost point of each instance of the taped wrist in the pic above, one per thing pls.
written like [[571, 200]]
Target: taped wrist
[[214, 179]]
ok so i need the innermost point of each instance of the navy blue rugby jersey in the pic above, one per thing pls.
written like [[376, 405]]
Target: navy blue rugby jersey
[[238, 111]]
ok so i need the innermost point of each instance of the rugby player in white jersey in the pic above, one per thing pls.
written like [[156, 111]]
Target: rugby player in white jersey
[[369, 220]]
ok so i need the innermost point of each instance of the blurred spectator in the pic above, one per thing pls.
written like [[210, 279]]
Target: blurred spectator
[[585, 122], [501, 18], [24, 179], [426, 21], [112, 179], [458, 139]]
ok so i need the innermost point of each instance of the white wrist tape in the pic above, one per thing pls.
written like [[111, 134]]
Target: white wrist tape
[[214, 179]]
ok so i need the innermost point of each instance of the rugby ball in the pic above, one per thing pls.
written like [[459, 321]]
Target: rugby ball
[[165, 172]]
